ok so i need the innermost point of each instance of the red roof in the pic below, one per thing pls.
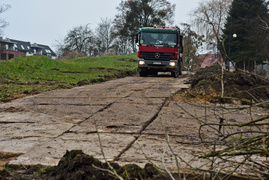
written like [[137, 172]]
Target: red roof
[[208, 59]]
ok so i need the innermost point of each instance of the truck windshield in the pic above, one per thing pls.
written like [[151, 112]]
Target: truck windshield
[[164, 39]]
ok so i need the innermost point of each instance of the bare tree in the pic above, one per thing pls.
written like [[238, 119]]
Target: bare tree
[[3, 23], [104, 35], [210, 17], [191, 42], [136, 13], [79, 41]]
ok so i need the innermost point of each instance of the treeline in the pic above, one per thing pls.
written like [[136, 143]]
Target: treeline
[[236, 29], [116, 36], [246, 34]]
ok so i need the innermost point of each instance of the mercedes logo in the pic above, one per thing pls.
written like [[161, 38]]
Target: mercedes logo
[[157, 55]]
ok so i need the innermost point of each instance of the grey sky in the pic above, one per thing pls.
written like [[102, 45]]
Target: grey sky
[[45, 21]]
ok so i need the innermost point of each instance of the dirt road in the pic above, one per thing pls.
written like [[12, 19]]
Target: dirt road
[[133, 114]]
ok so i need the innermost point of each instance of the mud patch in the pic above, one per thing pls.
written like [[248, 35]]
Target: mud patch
[[128, 60], [102, 68]]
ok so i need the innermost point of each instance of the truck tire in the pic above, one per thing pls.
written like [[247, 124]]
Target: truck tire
[[180, 67], [143, 73], [175, 74], [153, 73]]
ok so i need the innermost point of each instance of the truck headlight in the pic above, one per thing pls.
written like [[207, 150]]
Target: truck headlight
[[172, 64], [141, 62]]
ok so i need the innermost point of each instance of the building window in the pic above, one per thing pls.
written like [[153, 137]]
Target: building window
[[3, 56], [10, 56]]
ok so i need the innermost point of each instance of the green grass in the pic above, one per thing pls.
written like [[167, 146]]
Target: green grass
[[34, 74]]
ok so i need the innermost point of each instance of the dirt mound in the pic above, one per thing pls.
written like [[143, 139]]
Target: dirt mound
[[77, 165], [239, 86]]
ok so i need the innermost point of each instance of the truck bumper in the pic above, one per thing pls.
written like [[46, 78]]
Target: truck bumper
[[160, 66]]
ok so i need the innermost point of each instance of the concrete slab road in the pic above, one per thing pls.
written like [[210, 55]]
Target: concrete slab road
[[42, 127]]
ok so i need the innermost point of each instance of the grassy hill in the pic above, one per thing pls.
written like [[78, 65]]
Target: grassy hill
[[35, 74]]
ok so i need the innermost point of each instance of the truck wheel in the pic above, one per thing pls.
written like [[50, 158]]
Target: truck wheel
[[154, 73], [180, 68], [174, 74], [143, 74]]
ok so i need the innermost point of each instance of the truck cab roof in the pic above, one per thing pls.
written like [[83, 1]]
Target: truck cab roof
[[160, 30]]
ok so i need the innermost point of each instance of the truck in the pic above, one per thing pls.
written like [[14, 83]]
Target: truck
[[159, 50]]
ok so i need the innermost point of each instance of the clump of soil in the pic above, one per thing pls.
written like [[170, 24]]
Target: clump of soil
[[128, 60], [240, 87], [77, 165], [6, 157]]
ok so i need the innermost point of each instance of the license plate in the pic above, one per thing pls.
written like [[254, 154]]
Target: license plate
[[156, 63]]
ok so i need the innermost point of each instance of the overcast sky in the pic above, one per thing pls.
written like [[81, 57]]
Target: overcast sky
[[45, 21]]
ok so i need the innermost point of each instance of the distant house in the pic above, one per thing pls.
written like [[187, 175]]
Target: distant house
[[44, 50], [209, 59], [11, 48]]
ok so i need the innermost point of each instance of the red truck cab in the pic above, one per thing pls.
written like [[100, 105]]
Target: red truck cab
[[159, 50]]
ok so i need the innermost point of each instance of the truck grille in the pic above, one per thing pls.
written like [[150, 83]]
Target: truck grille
[[157, 56]]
